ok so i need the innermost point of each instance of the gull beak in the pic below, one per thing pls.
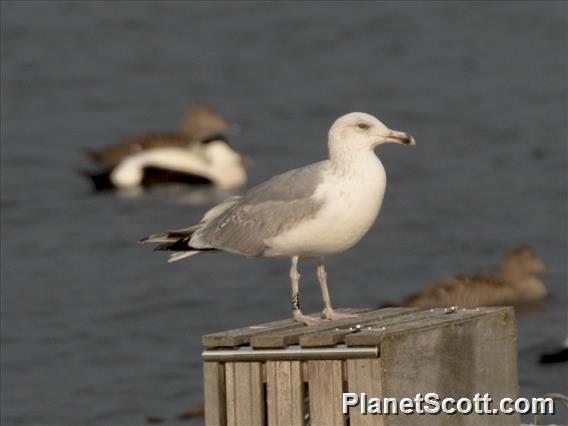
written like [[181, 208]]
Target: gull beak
[[397, 136]]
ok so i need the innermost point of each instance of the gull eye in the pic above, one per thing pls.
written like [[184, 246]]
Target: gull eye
[[363, 126]]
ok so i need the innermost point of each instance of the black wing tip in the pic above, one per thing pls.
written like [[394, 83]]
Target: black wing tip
[[180, 245]]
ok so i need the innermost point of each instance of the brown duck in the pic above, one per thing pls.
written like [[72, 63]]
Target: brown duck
[[517, 283]]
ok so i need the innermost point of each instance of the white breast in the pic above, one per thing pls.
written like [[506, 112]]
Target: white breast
[[350, 206]]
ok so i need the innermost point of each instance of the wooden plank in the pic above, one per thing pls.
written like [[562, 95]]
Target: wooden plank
[[285, 393], [364, 376], [337, 335], [372, 334], [242, 336], [474, 354], [214, 391], [245, 394], [325, 390], [281, 339]]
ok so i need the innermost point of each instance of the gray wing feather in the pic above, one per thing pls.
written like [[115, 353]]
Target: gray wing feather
[[263, 212], [292, 185]]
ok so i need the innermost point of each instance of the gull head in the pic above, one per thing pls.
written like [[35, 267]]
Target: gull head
[[360, 131]]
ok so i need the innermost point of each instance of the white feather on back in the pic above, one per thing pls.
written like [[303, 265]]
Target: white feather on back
[[181, 255]]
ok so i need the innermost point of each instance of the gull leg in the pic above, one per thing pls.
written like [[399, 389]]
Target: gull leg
[[328, 312], [296, 312]]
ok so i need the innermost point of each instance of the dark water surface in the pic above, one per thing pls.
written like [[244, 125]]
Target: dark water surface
[[97, 330]]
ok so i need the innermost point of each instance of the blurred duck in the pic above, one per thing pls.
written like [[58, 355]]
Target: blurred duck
[[199, 154], [516, 284], [560, 355]]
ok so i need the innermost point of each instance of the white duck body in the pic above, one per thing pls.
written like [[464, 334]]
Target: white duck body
[[216, 161]]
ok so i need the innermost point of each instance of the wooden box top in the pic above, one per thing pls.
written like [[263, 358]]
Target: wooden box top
[[366, 331]]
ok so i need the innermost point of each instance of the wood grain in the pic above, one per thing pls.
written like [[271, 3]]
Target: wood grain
[[214, 390], [245, 394], [325, 391], [285, 393]]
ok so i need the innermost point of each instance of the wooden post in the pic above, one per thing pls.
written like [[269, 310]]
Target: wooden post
[[214, 390], [245, 393], [285, 393], [364, 376], [284, 373], [326, 387]]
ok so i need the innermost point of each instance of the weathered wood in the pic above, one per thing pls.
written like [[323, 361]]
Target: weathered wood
[[472, 354], [337, 335], [245, 394], [364, 376], [241, 336], [372, 335], [400, 352], [283, 338], [214, 390], [285, 393], [325, 389]]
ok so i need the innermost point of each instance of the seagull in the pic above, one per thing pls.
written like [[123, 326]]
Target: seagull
[[199, 154], [314, 211]]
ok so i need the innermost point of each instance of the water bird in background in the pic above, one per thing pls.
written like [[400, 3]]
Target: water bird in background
[[311, 212], [516, 284], [199, 154], [559, 355]]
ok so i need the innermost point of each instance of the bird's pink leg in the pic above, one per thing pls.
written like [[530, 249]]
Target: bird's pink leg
[[296, 312], [328, 312]]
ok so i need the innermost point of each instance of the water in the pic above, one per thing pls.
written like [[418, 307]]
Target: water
[[97, 330]]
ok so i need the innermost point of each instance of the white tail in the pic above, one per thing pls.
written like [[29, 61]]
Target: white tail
[[181, 255]]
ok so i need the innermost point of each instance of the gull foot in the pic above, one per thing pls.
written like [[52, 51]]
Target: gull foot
[[330, 314], [300, 317]]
